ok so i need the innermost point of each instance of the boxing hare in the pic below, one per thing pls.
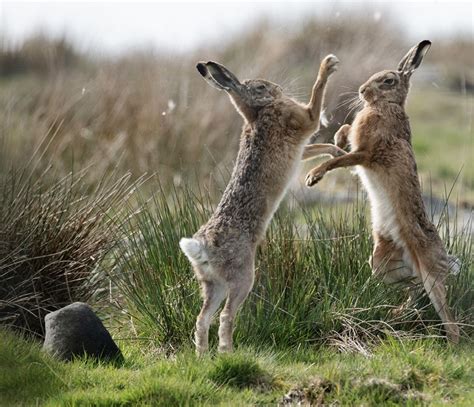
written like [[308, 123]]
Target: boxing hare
[[406, 244], [276, 129]]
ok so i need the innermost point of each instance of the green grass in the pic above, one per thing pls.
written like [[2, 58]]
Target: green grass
[[315, 325], [313, 282], [396, 372]]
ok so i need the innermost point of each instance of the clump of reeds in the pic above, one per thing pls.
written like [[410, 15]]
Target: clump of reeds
[[313, 281], [53, 234]]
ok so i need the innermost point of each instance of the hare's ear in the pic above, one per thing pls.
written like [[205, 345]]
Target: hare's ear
[[218, 76], [202, 68], [413, 58]]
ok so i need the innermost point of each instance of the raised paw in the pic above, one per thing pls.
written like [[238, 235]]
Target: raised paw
[[341, 136], [329, 65], [314, 176]]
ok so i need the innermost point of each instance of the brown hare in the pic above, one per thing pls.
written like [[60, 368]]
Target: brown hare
[[276, 129], [406, 244]]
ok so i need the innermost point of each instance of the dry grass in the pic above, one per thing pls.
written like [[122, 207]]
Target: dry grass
[[149, 112], [52, 236]]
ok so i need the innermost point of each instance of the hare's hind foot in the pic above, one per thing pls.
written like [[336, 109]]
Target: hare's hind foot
[[213, 294], [433, 279], [237, 293]]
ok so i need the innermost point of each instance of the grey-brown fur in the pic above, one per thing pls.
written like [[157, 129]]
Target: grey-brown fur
[[407, 246], [272, 145]]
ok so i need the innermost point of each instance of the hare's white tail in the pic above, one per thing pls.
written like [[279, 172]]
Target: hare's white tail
[[194, 250]]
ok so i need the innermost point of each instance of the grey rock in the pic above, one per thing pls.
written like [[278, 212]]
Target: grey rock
[[75, 331]]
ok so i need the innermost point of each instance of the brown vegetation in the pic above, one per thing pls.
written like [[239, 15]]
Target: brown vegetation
[[152, 112]]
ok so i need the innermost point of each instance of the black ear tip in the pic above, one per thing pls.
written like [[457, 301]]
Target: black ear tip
[[425, 43], [201, 67]]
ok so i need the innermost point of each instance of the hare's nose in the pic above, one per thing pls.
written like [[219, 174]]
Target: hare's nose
[[362, 89]]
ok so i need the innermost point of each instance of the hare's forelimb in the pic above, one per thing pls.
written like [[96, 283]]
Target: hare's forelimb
[[335, 150], [341, 137], [314, 150], [328, 66], [347, 160]]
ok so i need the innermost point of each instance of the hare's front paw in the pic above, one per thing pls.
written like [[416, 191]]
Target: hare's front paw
[[329, 64], [314, 176], [341, 136], [338, 152]]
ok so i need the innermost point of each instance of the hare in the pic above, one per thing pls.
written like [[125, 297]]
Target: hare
[[276, 129], [406, 244]]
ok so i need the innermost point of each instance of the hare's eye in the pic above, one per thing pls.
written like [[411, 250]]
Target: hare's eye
[[389, 81], [261, 87]]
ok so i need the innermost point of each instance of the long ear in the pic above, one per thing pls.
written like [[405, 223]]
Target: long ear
[[218, 75], [202, 68], [413, 58]]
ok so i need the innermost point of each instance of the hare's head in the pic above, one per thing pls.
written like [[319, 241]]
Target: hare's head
[[248, 96], [393, 86]]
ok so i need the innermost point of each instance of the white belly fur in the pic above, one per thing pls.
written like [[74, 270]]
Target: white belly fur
[[384, 220]]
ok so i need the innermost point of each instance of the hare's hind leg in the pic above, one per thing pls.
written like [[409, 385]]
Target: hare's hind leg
[[388, 263], [213, 293], [238, 292], [433, 281]]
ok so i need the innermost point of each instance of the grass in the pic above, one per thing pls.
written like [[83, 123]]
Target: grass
[[316, 327], [52, 237], [313, 282], [397, 372]]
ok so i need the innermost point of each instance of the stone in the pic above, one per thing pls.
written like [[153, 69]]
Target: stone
[[75, 331]]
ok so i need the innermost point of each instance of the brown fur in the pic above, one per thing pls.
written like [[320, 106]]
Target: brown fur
[[272, 144], [407, 246]]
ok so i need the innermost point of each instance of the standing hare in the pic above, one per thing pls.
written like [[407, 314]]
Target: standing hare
[[272, 145], [406, 244]]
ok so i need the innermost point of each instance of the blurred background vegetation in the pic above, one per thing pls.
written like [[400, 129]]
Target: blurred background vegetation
[[79, 131], [148, 111]]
